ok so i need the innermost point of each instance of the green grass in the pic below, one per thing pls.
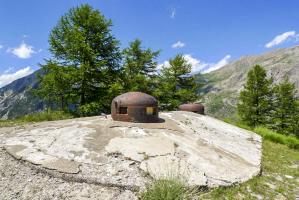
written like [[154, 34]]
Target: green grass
[[237, 123], [267, 134], [279, 179], [46, 116], [37, 117], [168, 189]]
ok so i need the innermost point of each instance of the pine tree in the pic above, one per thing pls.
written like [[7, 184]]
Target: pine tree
[[55, 85], [284, 106], [254, 106], [295, 120], [139, 68], [176, 84], [82, 40]]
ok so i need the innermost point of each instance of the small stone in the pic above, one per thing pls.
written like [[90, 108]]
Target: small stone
[[132, 163], [289, 177], [280, 197], [258, 196], [278, 178], [294, 166], [85, 193], [271, 186]]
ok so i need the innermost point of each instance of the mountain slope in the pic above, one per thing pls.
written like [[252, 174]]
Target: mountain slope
[[219, 94], [16, 99], [223, 85]]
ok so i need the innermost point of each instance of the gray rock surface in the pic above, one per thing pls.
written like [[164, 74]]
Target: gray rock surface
[[121, 157]]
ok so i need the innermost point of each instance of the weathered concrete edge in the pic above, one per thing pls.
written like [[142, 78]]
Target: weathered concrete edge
[[70, 177], [134, 188]]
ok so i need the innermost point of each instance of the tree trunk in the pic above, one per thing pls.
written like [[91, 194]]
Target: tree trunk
[[62, 102]]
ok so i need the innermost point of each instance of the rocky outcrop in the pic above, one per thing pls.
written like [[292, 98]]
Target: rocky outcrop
[[199, 149], [16, 99]]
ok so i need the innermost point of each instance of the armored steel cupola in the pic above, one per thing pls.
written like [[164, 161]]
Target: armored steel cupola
[[135, 107], [193, 107]]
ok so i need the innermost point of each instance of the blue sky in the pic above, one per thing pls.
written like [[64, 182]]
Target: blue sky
[[210, 33]]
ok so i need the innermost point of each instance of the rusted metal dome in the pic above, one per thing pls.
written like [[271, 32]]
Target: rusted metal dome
[[193, 107], [134, 107]]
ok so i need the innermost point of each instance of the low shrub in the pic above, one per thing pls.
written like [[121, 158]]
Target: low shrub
[[45, 116], [168, 189], [267, 134], [90, 109], [6, 123], [237, 123]]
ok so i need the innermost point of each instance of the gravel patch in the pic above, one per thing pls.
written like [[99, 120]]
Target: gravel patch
[[20, 181]]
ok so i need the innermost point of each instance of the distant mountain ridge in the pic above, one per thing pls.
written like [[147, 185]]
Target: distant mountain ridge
[[223, 85], [219, 93], [17, 100]]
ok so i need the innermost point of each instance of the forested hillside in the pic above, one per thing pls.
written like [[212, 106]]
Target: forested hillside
[[222, 86]]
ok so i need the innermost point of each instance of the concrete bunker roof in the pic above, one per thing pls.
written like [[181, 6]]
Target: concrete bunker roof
[[135, 99]]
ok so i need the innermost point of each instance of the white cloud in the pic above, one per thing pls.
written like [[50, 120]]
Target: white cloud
[[164, 64], [218, 65], [205, 67], [172, 13], [1, 46], [178, 45], [23, 51], [10, 69], [279, 39], [7, 78], [199, 66]]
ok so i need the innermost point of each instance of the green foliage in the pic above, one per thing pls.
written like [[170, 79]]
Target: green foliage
[[254, 105], [285, 107], [49, 115], [56, 84], [90, 109], [275, 107], [139, 68], [85, 73], [86, 60], [176, 85], [267, 134], [237, 123], [168, 189], [45, 116], [295, 122], [8, 123]]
